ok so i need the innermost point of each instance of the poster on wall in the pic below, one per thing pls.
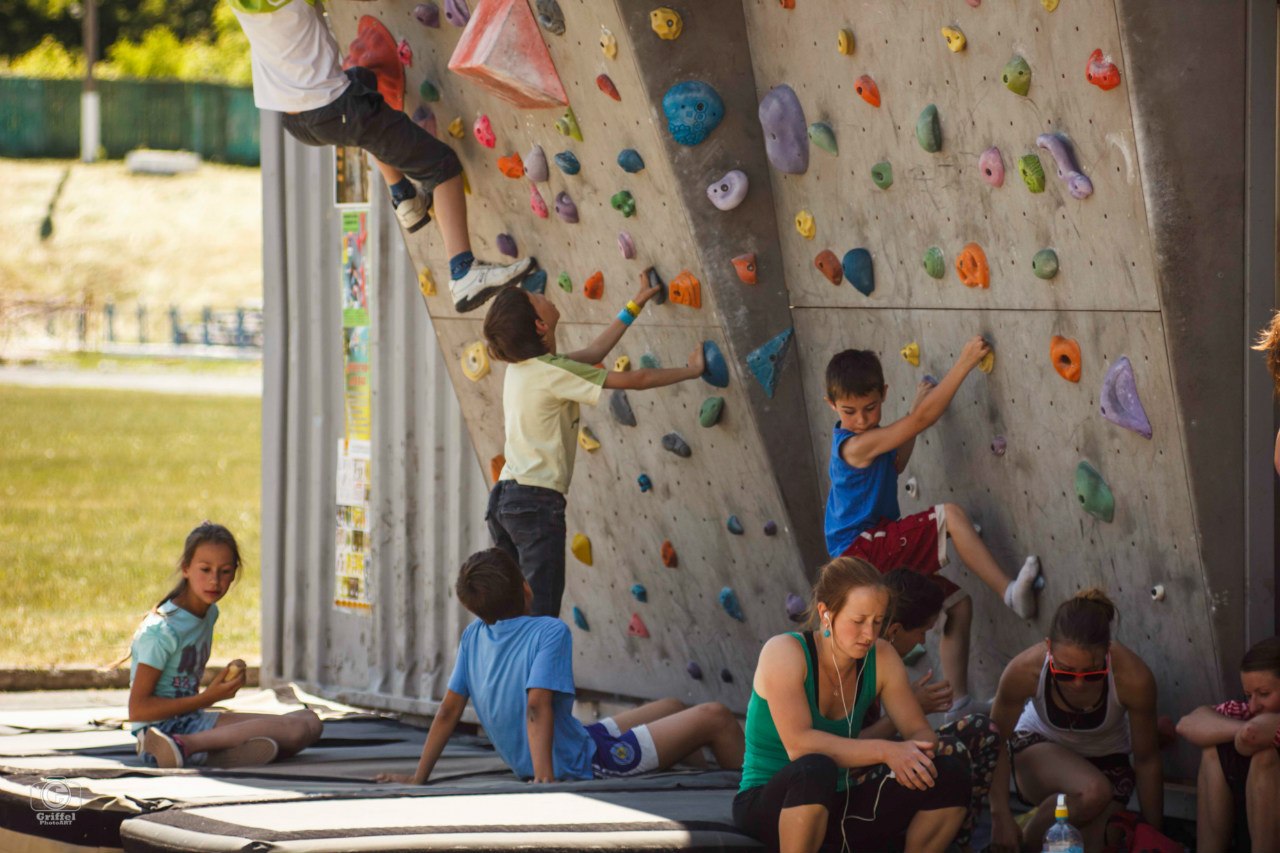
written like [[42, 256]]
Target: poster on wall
[[352, 553], [350, 177]]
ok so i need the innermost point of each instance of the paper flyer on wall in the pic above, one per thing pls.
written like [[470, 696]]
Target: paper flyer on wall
[[352, 551]]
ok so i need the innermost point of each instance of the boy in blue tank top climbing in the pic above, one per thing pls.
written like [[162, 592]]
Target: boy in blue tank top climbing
[[518, 669], [863, 518], [297, 72]]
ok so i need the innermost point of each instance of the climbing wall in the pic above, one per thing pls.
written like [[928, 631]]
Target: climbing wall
[[897, 177]]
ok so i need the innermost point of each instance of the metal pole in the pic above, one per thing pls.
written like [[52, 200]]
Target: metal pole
[[90, 106]]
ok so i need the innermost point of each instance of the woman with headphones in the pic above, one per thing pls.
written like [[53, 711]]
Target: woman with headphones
[[808, 781]]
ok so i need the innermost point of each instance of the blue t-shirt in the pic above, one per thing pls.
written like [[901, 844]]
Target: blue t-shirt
[[860, 498], [497, 664], [176, 642]]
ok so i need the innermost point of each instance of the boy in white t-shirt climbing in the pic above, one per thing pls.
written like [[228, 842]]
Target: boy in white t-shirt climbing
[[296, 71]]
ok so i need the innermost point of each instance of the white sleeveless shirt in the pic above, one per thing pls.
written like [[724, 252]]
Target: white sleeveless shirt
[[296, 65], [1107, 739]]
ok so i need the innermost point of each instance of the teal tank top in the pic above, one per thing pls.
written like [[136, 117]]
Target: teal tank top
[[765, 754]]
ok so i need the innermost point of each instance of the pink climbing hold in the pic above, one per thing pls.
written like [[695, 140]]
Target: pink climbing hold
[[636, 626], [502, 50], [991, 166], [974, 3], [626, 245], [536, 204], [483, 130], [405, 52]]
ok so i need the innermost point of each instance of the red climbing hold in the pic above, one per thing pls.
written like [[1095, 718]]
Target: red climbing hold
[[404, 52], [1066, 357], [606, 86], [375, 48], [669, 558], [511, 166], [1101, 71], [684, 289], [746, 267], [636, 627], [867, 88], [503, 51], [594, 287], [830, 266]]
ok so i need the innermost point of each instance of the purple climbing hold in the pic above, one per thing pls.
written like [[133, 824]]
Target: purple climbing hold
[[677, 445], [424, 118], [716, 371], [729, 601], [535, 165], [1119, 399], [766, 360], [786, 133], [626, 245], [991, 165], [771, 528], [620, 408], [726, 676], [507, 245], [1060, 147], [728, 192], [796, 607], [695, 671], [565, 208], [999, 445], [457, 11], [931, 379], [427, 14]]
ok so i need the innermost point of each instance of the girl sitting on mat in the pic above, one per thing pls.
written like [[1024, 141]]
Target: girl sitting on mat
[[808, 781], [1085, 703], [170, 650]]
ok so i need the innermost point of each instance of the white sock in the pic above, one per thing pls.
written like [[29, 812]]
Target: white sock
[[1020, 594]]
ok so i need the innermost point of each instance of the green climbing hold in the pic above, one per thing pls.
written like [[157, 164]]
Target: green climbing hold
[[1045, 264], [934, 263], [712, 408], [882, 174], [650, 361], [428, 91], [1093, 493], [566, 284], [821, 135], [1032, 172], [929, 130], [1016, 75]]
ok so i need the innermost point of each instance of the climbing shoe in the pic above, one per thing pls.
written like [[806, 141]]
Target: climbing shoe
[[163, 748], [483, 280], [415, 212], [255, 752]]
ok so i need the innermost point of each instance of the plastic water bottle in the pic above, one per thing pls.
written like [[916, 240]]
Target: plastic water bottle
[[1062, 837]]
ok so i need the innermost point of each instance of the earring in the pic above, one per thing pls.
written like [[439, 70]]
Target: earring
[[826, 633]]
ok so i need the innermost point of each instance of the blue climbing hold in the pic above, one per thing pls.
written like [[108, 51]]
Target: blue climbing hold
[[568, 163], [716, 371], [695, 671], [729, 601], [857, 268], [535, 282], [726, 676], [644, 482], [735, 526], [766, 360], [693, 110], [630, 161], [580, 619], [639, 592], [650, 361]]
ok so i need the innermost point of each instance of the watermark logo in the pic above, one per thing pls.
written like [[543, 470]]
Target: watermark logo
[[55, 801]]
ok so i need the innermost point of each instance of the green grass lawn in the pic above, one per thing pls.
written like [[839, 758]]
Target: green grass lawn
[[98, 490]]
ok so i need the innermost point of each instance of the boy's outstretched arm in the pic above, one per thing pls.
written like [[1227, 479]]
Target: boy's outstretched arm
[[599, 349], [540, 720], [657, 377], [441, 730], [861, 450], [904, 450]]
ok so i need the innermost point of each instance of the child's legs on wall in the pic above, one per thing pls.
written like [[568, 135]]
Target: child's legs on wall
[[972, 551], [528, 523], [954, 648]]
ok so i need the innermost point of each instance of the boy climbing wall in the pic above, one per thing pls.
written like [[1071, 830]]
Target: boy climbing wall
[[296, 71]]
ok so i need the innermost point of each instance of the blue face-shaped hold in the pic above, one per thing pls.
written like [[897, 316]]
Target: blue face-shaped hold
[[693, 110]]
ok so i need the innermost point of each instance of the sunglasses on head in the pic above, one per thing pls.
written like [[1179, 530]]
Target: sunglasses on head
[[1065, 675]]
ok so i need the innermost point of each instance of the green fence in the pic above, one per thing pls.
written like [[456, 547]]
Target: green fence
[[41, 118]]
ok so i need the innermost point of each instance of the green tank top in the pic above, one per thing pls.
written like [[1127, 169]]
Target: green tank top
[[765, 754]]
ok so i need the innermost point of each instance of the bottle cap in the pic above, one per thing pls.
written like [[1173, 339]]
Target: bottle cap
[[1061, 810]]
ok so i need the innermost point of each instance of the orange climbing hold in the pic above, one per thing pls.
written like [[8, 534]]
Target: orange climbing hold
[[496, 464], [867, 88], [829, 265], [594, 288], [511, 166], [684, 289], [1065, 353], [669, 558], [636, 627], [746, 267], [375, 48], [502, 50], [971, 266]]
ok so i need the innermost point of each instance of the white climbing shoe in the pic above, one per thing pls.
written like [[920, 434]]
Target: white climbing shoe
[[413, 213], [163, 749], [483, 280]]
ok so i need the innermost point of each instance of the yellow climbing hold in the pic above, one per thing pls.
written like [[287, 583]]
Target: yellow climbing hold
[[587, 439], [608, 43], [455, 128], [623, 364], [466, 185], [475, 361], [426, 283], [1049, 5], [666, 22], [805, 224], [988, 362], [844, 42], [955, 39], [911, 352], [581, 548]]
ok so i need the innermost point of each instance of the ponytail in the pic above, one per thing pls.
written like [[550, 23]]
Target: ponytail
[[1084, 620]]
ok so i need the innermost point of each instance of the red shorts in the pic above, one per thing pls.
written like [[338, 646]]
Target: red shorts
[[917, 542]]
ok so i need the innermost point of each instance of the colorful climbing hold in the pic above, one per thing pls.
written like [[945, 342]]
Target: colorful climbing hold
[[636, 627], [1065, 353], [428, 91], [620, 408], [675, 443], [581, 548], [735, 526], [805, 225], [745, 267], [857, 268], [911, 352], [1101, 71], [566, 162], [991, 166], [726, 676], [882, 174], [650, 361], [912, 487], [593, 287], [695, 671], [536, 204], [507, 245], [424, 118], [457, 12], [475, 361], [404, 52], [1093, 493], [1119, 399], [684, 289], [483, 130], [728, 192], [709, 414], [623, 202], [935, 264], [426, 283], [999, 445], [626, 245], [605, 84], [1016, 75], [1049, 5], [797, 607], [1078, 184], [622, 364], [955, 38], [1032, 172], [766, 361], [639, 593], [427, 14], [829, 265], [971, 266], [771, 528], [630, 161], [652, 279], [496, 464], [565, 208], [535, 282], [550, 18], [929, 130], [535, 165], [580, 619], [786, 136], [608, 43], [512, 166], [566, 283], [1044, 263], [693, 110], [644, 482], [868, 90], [669, 557], [455, 128], [567, 125], [844, 42], [987, 364], [821, 135], [667, 23], [587, 439], [716, 371], [729, 601]]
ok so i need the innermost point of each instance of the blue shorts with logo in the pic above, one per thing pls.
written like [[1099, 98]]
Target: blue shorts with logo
[[619, 754]]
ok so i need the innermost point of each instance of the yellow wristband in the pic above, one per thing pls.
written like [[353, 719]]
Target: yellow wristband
[[633, 308]]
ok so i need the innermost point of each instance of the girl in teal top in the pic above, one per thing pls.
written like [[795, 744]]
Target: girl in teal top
[[808, 782]]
